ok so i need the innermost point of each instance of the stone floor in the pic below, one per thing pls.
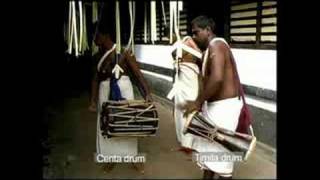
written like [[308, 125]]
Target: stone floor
[[72, 130]]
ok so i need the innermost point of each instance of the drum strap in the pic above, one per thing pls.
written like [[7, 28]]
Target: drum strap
[[117, 69], [105, 56], [179, 46], [115, 92], [245, 118]]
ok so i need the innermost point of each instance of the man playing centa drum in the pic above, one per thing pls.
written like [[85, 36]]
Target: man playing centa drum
[[113, 88]]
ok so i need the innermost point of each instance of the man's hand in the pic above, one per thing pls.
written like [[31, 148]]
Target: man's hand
[[191, 106], [92, 107], [148, 98]]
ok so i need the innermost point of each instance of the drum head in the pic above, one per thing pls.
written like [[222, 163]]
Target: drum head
[[187, 121]]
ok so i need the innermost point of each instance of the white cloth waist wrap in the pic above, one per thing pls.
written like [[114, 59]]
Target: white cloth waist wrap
[[187, 91], [223, 113], [119, 146]]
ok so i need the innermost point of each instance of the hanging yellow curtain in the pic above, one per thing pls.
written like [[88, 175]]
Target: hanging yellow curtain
[[175, 8], [70, 29], [95, 12], [84, 45], [153, 17], [132, 21], [145, 23], [81, 26]]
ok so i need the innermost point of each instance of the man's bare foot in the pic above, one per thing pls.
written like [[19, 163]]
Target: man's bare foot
[[92, 108], [107, 167], [138, 167]]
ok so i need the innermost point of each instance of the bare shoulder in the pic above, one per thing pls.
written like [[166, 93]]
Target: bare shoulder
[[215, 46], [131, 58]]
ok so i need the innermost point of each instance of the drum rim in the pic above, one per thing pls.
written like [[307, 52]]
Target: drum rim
[[127, 102]]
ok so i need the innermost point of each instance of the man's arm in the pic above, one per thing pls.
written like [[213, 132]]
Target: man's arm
[[94, 93], [94, 84], [134, 67], [214, 79]]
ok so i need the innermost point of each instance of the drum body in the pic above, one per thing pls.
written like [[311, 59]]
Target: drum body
[[132, 118], [236, 142]]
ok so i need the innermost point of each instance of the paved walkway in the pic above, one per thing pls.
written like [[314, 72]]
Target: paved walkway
[[72, 136]]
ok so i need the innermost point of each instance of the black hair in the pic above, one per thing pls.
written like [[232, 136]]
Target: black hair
[[203, 22], [106, 24], [107, 29]]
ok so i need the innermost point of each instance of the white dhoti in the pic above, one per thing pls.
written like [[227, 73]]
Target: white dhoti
[[225, 114], [119, 146], [187, 90]]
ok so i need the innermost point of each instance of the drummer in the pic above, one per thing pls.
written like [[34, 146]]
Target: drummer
[[111, 88], [219, 99], [187, 89]]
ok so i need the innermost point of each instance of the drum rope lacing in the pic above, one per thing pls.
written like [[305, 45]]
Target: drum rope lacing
[[138, 114], [213, 133]]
